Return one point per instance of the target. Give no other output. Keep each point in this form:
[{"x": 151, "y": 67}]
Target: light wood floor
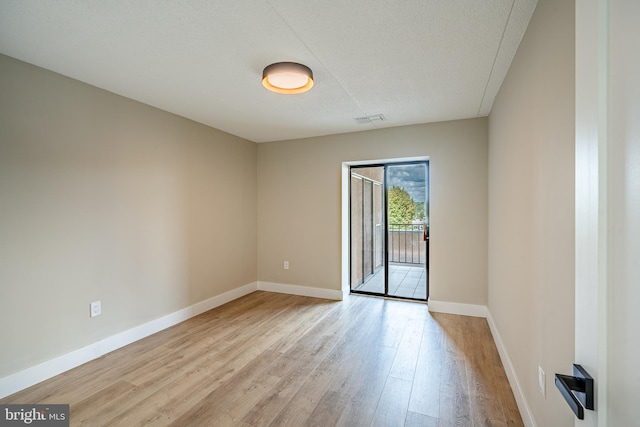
[{"x": 274, "y": 359}]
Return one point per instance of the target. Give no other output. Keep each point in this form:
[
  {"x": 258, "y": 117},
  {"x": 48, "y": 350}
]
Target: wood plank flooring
[{"x": 283, "y": 360}]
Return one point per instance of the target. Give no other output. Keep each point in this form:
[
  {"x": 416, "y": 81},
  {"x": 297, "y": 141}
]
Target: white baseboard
[
  {"x": 483, "y": 311},
  {"x": 306, "y": 291},
  {"x": 43, "y": 371},
  {"x": 525, "y": 410},
  {"x": 30, "y": 376},
  {"x": 457, "y": 308}
]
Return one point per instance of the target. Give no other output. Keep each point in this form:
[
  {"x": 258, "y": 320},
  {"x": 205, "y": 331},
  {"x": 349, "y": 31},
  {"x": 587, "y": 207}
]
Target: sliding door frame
[{"x": 385, "y": 232}]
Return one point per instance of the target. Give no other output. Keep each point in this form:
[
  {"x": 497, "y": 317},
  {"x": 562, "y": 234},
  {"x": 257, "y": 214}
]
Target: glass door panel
[
  {"x": 367, "y": 235},
  {"x": 407, "y": 215}
]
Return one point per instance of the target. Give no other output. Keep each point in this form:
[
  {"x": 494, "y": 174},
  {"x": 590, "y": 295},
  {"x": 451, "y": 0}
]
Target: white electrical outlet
[
  {"x": 286, "y": 265},
  {"x": 542, "y": 382},
  {"x": 96, "y": 309}
]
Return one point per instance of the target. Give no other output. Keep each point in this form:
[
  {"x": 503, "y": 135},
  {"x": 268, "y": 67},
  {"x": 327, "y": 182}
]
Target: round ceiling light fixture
[{"x": 287, "y": 77}]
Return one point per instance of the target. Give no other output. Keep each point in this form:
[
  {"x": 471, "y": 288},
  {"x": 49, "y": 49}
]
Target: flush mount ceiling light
[{"x": 287, "y": 77}]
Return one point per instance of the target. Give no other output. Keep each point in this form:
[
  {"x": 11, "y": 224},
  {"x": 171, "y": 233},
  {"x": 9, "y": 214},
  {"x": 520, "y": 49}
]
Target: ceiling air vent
[{"x": 370, "y": 119}]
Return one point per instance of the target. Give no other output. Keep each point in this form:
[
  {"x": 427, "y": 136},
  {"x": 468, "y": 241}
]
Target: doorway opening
[{"x": 389, "y": 230}]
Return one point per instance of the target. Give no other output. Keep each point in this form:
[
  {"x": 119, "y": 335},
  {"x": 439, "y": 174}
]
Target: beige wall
[
  {"x": 531, "y": 208},
  {"x": 299, "y": 204},
  {"x": 103, "y": 198}
]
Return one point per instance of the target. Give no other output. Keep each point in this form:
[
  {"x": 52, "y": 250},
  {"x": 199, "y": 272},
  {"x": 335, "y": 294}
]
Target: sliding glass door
[{"x": 389, "y": 230}]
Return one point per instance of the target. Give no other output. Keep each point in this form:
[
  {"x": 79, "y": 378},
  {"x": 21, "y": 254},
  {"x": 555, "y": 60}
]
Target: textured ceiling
[{"x": 414, "y": 61}]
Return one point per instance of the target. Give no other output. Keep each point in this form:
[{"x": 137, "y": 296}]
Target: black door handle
[{"x": 577, "y": 390}]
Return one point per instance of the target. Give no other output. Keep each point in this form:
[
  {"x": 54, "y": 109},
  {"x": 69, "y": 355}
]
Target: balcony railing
[{"x": 406, "y": 244}]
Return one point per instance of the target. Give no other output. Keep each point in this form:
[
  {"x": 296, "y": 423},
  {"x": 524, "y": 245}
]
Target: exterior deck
[{"x": 405, "y": 281}]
